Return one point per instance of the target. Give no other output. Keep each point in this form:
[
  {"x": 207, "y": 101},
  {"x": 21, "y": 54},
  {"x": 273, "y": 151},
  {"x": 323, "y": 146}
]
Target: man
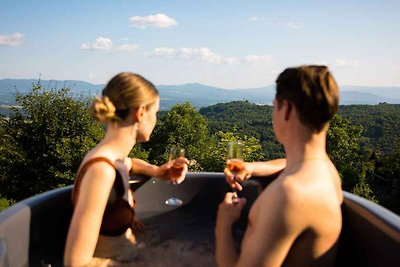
[{"x": 296, "y": 220}]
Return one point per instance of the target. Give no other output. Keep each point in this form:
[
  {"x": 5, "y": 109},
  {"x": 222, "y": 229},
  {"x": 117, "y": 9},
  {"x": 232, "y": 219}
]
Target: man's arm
[
  {"x": 273, "y": 226},
  {"x": 228, "y": 213},
  {"x": 264, "y": 168}
]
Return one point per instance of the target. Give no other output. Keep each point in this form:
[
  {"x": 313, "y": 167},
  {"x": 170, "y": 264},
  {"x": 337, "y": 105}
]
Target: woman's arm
[
  {"x": 142, "y": 167},
  {"x": 86, "y": 220}
]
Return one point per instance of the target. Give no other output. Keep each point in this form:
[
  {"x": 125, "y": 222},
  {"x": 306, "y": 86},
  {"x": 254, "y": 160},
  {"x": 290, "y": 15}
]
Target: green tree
[
  {"x": 44, "y": 141},
  {"x": 343, "y": 146},
  {"x": 5, "y": 203},
  {"x": 380, "y": 124},
  {"x": 246, "y": 119},
  {"x": 139, "y": 152},
  {"x": 182, "y": 126},
  {"x": 252, "y": 150},
  {"x": 343, "y": 142},
  {"x": 389, "y": 166},
  {"x": 364, "y": 190}
]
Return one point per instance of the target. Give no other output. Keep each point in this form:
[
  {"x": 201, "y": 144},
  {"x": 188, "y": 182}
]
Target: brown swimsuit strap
[
  {"x": 85, "y": 167},
  {"x": 120, "y": 206}
]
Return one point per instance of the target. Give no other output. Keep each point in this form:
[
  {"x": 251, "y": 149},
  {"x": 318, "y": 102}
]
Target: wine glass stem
[
  {"x": 174, "y": 190},
  {"x": 235, "y": 195},
  {"x": 174, "y": 186}
]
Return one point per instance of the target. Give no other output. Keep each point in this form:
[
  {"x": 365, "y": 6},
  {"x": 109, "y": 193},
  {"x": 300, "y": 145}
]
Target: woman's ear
[
  {"x": 288, "y": 108},
  {"x": 138, "y": 113}
]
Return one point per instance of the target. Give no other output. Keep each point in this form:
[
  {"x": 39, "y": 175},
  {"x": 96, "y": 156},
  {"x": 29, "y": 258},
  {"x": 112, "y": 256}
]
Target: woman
[{"x": 103, "y": 225}]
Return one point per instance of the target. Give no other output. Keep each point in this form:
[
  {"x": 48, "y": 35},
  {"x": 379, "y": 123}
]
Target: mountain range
[{"x": 200, "y": 95}]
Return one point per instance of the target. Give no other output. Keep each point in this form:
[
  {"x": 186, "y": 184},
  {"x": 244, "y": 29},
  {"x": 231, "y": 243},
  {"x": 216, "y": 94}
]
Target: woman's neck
[{"x": 119, "y": 140}]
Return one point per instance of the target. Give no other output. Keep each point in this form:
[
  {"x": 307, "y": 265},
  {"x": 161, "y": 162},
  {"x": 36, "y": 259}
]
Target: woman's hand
[
  {"x": 174, "y": 170},
  {"x": 235, "y": 180}
]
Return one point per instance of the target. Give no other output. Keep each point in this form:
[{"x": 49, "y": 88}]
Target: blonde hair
[{"x": 124, "y": 92}]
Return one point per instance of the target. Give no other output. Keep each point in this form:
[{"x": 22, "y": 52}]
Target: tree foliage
[
  {"x": 348, "y": 149},
  {"x": 342, "y": 142},
  {"x": 343, "y": 147},
  {"x": 245, "y": 118},
  {"x": 184, "y": 127},
  {"x": 380, "y": 124},
  {"x": 44, "y": 141},
  {"x": 252, "y": 150},
  {"x": 5, "y": 203}
]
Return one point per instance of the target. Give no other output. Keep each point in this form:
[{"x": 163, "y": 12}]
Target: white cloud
[
  {"x": 285, "y": 23},
  {"x": 201, "y": 54},
  {"x": 92, "y": 76},
  {"x": 293, "y": 25},
  {"x": 101, "y": 43},
  {"x": 231, "y": 60},
  {"x": 106, "y": 44},
  {"x": 156, "y": 21},
  {"x": 342, "y": 63},
  {"x": 164, "y": 52},
  {"x": 126, "y": 48},
  {"x": 14, "y": 39},
  {"x": 258, "y": 59},
  {"x": 254, "y": 18},
  {"x": 206, "y": 55}
]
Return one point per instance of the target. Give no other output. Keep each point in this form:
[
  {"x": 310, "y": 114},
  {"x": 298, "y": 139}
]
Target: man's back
[
  {"x": 303, "y": 205},
  {"x": 297, "y": 220}
]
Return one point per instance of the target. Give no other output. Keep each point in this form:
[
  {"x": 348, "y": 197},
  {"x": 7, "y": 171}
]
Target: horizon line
[{"x": 197, "y": 83}]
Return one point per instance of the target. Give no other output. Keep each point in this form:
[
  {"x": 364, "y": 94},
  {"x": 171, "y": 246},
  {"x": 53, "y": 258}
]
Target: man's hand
[{"x": 229, "y": 211}]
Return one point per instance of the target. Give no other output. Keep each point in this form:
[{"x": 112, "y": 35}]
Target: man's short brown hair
[{"x": 312, "y": 90}]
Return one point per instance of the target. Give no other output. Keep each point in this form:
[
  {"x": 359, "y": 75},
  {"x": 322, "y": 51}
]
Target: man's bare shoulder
[
  {"x": 297, "y": 193},
  {"x": 286, "y": 188},
  {"x": 283, "y": 196},
  {"x": 311, "y": 181}
]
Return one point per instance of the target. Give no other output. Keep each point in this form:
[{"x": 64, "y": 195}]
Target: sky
[{"x": 228, "y": 44}]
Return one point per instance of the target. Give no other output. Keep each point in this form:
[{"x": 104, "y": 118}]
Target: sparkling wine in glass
[
  {"x": 234, "y": 161},
  {"x": 175, "y": 172}
]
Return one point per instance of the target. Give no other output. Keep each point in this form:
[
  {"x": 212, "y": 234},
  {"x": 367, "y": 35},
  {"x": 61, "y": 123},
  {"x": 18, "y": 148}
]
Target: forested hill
[
  {"x": 380, "y": 122},
  {"x": 248, "y": 118},
  {"x": 199, "y": 95}
]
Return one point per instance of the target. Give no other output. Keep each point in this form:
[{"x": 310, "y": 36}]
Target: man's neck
[{"x": 303, "y": 147}]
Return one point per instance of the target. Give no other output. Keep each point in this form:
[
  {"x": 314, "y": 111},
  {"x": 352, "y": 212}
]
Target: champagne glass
[
  {"x": 175, "y": 172},
  {"x": 234, "y": 162}
]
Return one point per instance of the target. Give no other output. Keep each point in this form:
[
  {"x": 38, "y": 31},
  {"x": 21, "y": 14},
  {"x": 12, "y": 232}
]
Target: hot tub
[{"x": 33, "y": 231}]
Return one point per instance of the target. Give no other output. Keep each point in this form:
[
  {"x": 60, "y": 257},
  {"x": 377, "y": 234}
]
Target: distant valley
[{"x": 200, "y": 95}]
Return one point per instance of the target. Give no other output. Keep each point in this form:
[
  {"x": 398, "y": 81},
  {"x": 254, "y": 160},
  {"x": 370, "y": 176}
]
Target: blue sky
[{"x": 229, "y": 44}]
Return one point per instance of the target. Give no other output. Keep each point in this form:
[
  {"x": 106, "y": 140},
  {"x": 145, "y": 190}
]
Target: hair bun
[{"x": 103, "y": 109}]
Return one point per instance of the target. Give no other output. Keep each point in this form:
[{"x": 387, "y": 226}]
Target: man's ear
[{"x": 138, "y": 113}]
